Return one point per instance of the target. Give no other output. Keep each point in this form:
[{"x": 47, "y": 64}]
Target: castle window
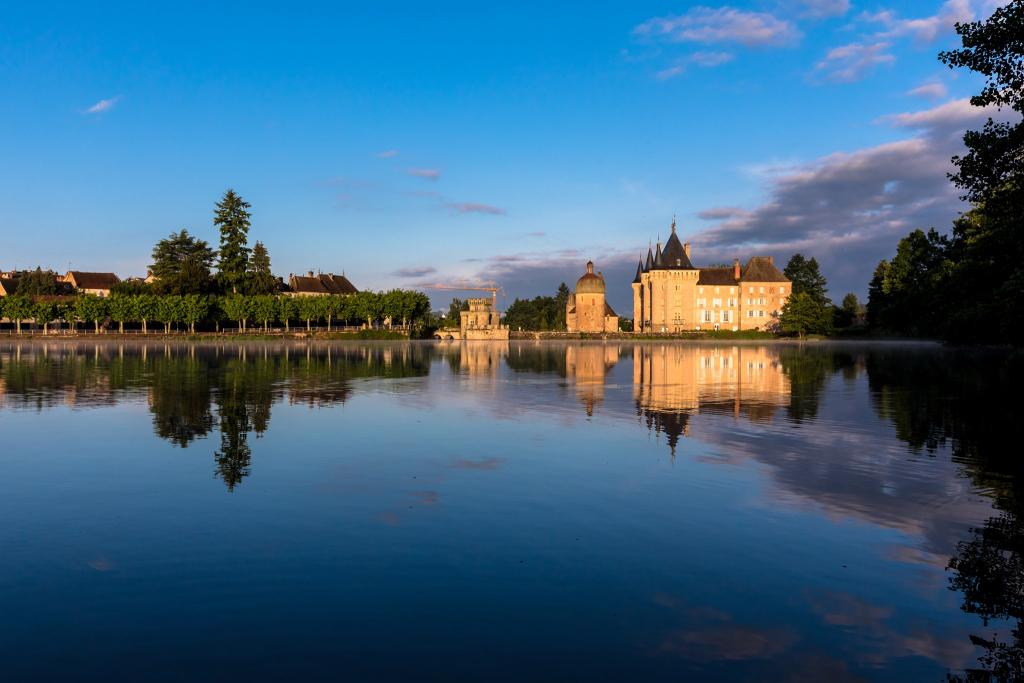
[
  {"x": 700, "y": 290},
  {"x": 762, "y": 291},
  {"x": 708, "y": 316},
  {"x": 717, "y": 303},
  {"x": 732, "y": 303},
  {"x": 750, "y": 290},
  {"x": 717, "y": 290}
]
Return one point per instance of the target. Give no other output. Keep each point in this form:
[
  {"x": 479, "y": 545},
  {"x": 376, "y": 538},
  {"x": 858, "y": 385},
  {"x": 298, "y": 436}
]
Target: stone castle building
[
  {"x": 670, "y": 294},
  {"x": 586, "y": 309}
]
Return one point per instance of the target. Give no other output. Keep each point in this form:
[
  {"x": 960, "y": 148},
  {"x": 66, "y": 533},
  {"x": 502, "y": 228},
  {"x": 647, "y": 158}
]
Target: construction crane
[{"x": 487, "y": 287}]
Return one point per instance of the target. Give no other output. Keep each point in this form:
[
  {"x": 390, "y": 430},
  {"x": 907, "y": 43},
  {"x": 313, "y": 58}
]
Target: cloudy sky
[{"x": 416, "y": 143}]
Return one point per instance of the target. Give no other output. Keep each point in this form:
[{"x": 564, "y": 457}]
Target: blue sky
[{"x": 408, "y": 143}]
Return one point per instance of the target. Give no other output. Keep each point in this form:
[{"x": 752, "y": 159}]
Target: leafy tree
[
  {"x": 368, "y": 306},
  {"x": 181, "y": 264},
  {"x": 995, "y": 49},
  {"x": 44, "y": 311},
  {"x": 194, "y": 308},
  {"x": 330, "y": 306},
  {"x": 91, "y": 308},
  {"x": 309, "y": 309},
  {"x": 561, "y": 299},
  {"x": 850, "y": 313},
  {"x": 168, "y": 311},
  {"x": 802, "y": 315},
  {"x": 986, "y": 283},
  {"x": 263, "y": 309},
  {"x": 287, "y": 310},
  {"x": 540, "y": 313},
  {"x": 38, "y": 282},
  {"x": 18, "y": 308},
  {"x": 145, "y": 309},
  {"x": 237, "y": 308},
  {"x": 455, "y": 309},
  {"x": 121, "y": 308},
  {"x": 261, "y": 279},
  {"x": 232, "y": 217},
  {"x": 807, "y": 278},
  {"x": 132, "y": 287},
  {"x": 906, "y": 294}
]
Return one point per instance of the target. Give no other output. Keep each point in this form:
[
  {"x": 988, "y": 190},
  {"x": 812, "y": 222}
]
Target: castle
[{"x": 670, "y": 294}]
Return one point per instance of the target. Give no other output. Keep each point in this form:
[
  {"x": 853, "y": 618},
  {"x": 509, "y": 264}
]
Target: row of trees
[
  {"x": 397, "y": 306},
  {"x": 969, "y": 286}
]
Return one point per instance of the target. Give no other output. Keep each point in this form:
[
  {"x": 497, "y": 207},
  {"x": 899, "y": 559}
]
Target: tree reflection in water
[{"x": 966, "y": 400}]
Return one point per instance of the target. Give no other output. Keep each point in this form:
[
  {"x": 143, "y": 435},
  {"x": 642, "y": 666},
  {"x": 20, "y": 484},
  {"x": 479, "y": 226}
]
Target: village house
[
  {"x": 670, "y": 294},
  {"x": 320, "y": 284},
  {"x": 98, "y": 284},
  {"x": 8, "y": 285},
  {"x": 586, "y": 309}
]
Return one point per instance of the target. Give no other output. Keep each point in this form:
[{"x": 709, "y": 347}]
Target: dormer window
[{"x": 679, "y": 262}]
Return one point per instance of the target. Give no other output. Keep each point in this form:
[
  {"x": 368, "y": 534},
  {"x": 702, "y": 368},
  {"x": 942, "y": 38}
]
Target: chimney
[
  {"x": 736, "y": 269},
  {"x": 310, "y": 273},
  {"x": 771, "y": 261},
  {"x": 686, "y": 249}
]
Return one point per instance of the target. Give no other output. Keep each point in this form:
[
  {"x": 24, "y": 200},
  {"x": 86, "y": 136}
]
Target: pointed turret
[
  {"x": 650, "y": 261},
  {"x": 658, "y": 261},
  {"x": 639, "y": 271}
]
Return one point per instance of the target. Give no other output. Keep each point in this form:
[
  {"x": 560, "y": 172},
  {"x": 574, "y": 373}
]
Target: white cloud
[
  {"x": 425, "y": 173},
  {"x": 387, "y": 154},
  {"x": 930, "y": 91},
  {"x": 852, "y": 62},
  {"x": 721, "y": 25},
  {"x": 954, "y": 115},
  {"x": 704, "y": 60},
  {"x": 925, "y": 29},
  {"x": 475, "y": 207},
  {"x": 103, "y": 105},
  {"x": 710, "y": 59},
  {"x": 820, "y": 9}
]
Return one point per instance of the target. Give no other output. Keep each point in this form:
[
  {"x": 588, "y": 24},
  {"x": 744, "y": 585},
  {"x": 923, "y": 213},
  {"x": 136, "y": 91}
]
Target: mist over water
[{"x": 523, "y": 511}]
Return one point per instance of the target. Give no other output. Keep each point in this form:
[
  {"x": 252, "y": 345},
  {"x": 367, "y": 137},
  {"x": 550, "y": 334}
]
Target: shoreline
[{"x": 395, "y": 337}]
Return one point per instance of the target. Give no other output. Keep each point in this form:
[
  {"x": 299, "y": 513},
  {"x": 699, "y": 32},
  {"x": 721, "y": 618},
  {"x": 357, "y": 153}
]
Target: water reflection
[{"x": 917, "y": 444}]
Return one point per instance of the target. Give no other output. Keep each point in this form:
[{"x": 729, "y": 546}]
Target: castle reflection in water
[
  {"x": 673, "y": 382},
  {"x": 191, "y": 390}
]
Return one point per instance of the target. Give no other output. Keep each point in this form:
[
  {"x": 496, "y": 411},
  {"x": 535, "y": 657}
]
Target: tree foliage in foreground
[{"x": 970, "y": 288}]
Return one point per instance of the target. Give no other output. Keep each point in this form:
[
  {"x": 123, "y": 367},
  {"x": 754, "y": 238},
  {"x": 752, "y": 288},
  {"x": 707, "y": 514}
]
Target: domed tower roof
[{"x": 590, "y": 283}]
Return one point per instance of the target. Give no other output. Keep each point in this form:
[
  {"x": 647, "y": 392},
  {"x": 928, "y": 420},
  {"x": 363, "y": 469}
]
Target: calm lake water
[{"x": 509, "y": 512}]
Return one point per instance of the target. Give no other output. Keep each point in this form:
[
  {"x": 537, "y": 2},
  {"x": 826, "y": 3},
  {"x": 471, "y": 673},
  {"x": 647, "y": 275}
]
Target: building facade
[
  {"x": 482, "y": 322},
  {"x": 670, "y": 294},
  {"x": 97, "y": 284},
  {"x": 586, "y": 309}
]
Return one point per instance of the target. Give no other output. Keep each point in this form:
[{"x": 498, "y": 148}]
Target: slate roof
[
  {"x": 717, "y": 276},
  {"x": 674, "y": 257},
  {"x": 639, "y": 271},
  {"x": 762, "y": 269}
]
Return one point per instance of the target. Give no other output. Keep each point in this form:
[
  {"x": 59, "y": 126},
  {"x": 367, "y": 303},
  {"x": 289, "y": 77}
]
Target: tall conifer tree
[{"x": 232, "y": 217}]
